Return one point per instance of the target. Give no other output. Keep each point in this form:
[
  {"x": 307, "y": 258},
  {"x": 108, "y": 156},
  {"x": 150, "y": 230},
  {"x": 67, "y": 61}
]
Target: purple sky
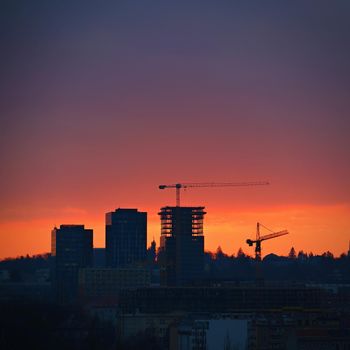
[{"x": 102, "y": 101}]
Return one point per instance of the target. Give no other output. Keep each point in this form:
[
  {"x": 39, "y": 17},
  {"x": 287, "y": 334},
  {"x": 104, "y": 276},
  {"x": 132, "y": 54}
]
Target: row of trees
[
  {"x": 301, "y": 255},
  {"x": 41, "y": 260},
  {"x": 299, "y": 266},
  {"x": 296, "y": 266}
]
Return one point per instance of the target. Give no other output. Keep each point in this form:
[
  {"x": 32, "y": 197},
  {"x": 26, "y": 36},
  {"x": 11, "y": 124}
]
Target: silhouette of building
[
  {"x": 106, "y": 283},
  {"x": 126, "y": 236},
  {"x": 152, "y": 252},
  {"x": 225, "y": 299},
  {"x": 71, "y": 246},
  {"x": 182, "y": 245},
  {"x": 99, "y": 257},
  {"x": 206, "y": 332}
]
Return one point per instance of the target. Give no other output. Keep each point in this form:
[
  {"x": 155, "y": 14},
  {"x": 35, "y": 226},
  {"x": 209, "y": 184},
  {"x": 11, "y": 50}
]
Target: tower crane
[
  {"x": 259, "y": 239},
  {"x": 180, "y": 186}
]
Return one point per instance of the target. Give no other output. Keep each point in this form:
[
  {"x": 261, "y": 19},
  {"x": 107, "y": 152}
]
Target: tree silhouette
[
  {"x": 219, "y": 253},
  {"x": 240, "y": 253},
  {"x": 292, "y": 254}
]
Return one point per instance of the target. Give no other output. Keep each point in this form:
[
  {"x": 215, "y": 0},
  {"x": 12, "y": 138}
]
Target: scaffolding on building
[{"x": 181, "y": 220}]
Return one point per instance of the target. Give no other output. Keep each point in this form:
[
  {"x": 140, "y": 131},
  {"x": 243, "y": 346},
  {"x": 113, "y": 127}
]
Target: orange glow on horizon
[
  {"x": 312, "y": 228},
  {"x": 98, "y": 113}
]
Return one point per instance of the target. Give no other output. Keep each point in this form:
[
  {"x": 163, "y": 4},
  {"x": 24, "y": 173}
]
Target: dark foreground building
[
  {"x": 71, "y": 246},
  {"x": 213, "y": 299},
  {"x": 182, "y": 245},
  {"x": 126, "y": 237}
]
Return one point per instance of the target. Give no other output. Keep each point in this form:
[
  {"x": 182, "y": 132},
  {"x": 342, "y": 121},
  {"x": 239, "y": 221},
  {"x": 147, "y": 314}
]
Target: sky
[{"x": 102, "y": 101}]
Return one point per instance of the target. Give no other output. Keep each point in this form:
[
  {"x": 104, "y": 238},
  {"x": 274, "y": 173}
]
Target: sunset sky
[{"x": 102, "y": 101}]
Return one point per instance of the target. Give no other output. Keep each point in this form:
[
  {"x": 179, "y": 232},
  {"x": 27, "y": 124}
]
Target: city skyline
[
  {"x": 271, "y": 246},
  {"x": 175, "y": 175},
  {"x": 101, "y": 105}
]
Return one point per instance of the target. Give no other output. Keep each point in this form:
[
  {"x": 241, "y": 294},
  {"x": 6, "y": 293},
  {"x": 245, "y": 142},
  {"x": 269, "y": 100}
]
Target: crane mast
[
  {"x": 259, "y": 239},
  {"x": 180, "y": 186}
]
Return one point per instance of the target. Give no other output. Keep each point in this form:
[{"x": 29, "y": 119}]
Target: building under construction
[{"x": 182, "y": 245}]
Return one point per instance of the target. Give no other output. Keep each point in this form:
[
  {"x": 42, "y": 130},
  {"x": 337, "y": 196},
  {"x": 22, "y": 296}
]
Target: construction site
[
  {"x": 182, "y": 238},
  {"x": 182, "y": 297}
]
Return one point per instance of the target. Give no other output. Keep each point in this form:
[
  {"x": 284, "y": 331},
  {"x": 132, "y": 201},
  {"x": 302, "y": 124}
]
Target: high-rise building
[
  {"x": 182, "y": 245},
  {"x": 126, "y": 237},
  {"x": 71, "y": 246}
]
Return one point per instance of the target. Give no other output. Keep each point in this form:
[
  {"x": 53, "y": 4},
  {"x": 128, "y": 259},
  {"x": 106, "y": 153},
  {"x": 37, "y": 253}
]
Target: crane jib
[{"x": 178, "y": 186}]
